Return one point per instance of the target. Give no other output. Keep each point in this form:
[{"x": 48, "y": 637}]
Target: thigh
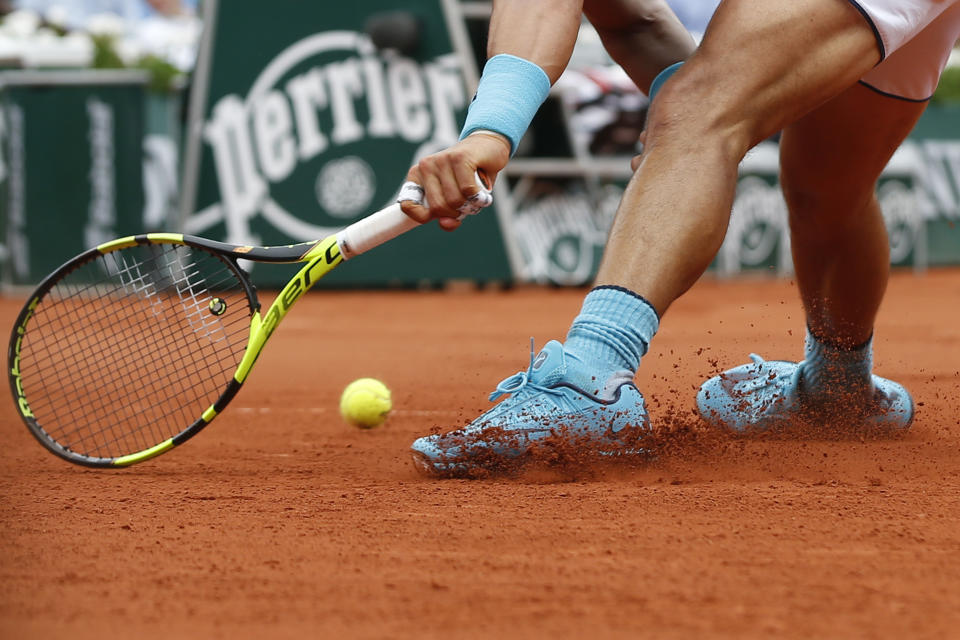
[
  {"x": 763, "y": 65},
  {"x": 835, "y": 153}
]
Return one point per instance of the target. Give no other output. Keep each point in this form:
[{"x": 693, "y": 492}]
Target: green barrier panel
[
  {"x": 306, "y": 126},
  {"x": 71, "y": 170},
  {"x": 564, "y": 208},
  {"x": 758, "y": 237},
  {"x": 162, "y": 146},
  {"x": 937, "y": 138}
]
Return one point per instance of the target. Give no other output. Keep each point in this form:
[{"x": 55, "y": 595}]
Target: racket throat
[{"x": 254, "y": 346}]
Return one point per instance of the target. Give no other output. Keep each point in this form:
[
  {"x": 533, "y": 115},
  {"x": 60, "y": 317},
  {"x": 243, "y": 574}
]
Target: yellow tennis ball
[{"x": 365, "y": 403}]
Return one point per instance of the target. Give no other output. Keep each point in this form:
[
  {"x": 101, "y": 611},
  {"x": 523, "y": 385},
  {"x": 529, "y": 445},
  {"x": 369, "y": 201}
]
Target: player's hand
[{"x": 448, "y": 177}]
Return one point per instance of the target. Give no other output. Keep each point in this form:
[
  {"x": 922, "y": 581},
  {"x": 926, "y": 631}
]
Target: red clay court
[{"x": 279, "y": 521}]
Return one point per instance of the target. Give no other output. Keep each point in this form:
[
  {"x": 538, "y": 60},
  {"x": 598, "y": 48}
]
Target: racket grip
[
  {"x": 374, "y": 230},
  {"x": 387, "y": 224}
]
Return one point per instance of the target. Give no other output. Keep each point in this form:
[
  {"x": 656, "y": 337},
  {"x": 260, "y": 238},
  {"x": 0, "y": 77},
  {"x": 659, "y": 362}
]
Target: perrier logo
[{"x": 325, "y": 135}]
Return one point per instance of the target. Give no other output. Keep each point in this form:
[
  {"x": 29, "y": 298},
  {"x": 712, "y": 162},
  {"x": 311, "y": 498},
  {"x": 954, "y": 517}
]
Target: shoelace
[
  {"x": 520, "y": 384},
  {"x": 772, "y": 382}
]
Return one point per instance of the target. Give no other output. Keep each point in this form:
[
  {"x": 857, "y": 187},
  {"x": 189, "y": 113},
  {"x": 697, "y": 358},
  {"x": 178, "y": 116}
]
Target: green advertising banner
[
  {"x": 301, "y": 125},
  {"x": 936, "y": 146},
  {"x": 563, "y": 209},
  {"x": 71, "y": 162}
]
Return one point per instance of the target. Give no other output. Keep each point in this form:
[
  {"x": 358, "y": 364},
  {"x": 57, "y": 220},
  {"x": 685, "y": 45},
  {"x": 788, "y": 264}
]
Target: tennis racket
[{"x": 133, "y": 347}]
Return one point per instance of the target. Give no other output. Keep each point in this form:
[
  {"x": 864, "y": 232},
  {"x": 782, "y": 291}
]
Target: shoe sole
[
  {"x": 508, "y": 466},
  {"x": 423, "y": 464}
]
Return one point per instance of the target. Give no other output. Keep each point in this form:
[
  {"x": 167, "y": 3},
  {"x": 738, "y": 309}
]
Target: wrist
[
  {"x": 489, "y": 150},
  {"x": 491, "y": 135}
]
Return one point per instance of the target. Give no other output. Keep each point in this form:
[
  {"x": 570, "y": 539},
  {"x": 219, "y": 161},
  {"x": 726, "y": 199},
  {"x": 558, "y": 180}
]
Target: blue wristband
[
  {"x": 510, "y": 92},
  {"x": 662, "y": 77}
]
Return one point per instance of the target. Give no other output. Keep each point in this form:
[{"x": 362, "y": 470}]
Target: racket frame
[{"x": 319, "y": 258}]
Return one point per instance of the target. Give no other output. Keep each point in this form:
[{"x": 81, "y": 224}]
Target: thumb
[
  {"x": 411, "y": 197},
  {"x": 449, "y": 224},
  {"x": 415, "y": 210}
]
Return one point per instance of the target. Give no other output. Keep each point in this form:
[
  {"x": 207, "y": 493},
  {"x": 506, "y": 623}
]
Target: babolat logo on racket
[{"x": 304, "y": 150}]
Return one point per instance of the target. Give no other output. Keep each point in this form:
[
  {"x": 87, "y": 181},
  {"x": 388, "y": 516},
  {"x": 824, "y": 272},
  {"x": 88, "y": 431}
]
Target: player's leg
[
  {"x": 642, "y": 36},
  {"x": 830, "y": 162},
  {"x": 759, "y": 68}
]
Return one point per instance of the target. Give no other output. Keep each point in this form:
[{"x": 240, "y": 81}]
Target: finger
[
  {"x": 432, "y": 180},
  {"x": 466, "y": 177},
  {"x": 436, "y": 201},
  {"x": 448, "y": 224},
  {"x": 487, "y": 178},
  {"x": 413, "y": 175},
  {"x": 411, "y": 203},
  {"x": 453, "y": 196}
]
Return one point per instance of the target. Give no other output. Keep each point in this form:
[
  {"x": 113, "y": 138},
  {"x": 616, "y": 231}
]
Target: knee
[
  {"x": 643, "y": 17},
  {"x": 807, "y": 199},
  {"x": 816, "y": 201},
  {"x": 649, "y": 15},
  {"x": 692, "y": 113},
  {"x": 802, "y": 190}
]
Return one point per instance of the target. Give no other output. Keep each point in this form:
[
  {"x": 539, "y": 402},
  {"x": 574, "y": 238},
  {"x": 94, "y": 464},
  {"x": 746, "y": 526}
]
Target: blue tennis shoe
[
  {"x": 767, "y": 395},
  {"x": 544, "y": 411}
]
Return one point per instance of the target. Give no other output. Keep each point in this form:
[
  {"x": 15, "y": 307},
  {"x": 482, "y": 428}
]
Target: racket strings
[
  {"x": 172, "y": 394},
  {"x": 129, "y": 349},
  {"x": 86, "y": 348},
  {"x": 124, "y": 364}
]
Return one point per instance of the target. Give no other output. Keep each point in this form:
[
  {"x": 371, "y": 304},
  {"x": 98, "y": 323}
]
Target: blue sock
[
  {"x": 608, "y": 338},
  {"x": 832, "y": 370}
]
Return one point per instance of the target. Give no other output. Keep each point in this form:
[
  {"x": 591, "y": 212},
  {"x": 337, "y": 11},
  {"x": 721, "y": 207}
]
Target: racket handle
[
  {"x": 374, "y": 230},
  {"x": 387, "y": 224}
]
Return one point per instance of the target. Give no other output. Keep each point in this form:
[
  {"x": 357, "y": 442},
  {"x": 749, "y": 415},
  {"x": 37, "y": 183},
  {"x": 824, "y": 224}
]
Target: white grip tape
[
  {"x": 374, "y": 230},
  {"x": 411, "y": 191},
  {"x": 377, "y": 228}
]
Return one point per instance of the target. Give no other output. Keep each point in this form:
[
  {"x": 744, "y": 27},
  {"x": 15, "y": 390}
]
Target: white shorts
[{"x": 915, "y": 39}]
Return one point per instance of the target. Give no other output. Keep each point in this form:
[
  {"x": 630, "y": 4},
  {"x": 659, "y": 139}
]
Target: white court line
[{"x": 398, "y": 412}]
